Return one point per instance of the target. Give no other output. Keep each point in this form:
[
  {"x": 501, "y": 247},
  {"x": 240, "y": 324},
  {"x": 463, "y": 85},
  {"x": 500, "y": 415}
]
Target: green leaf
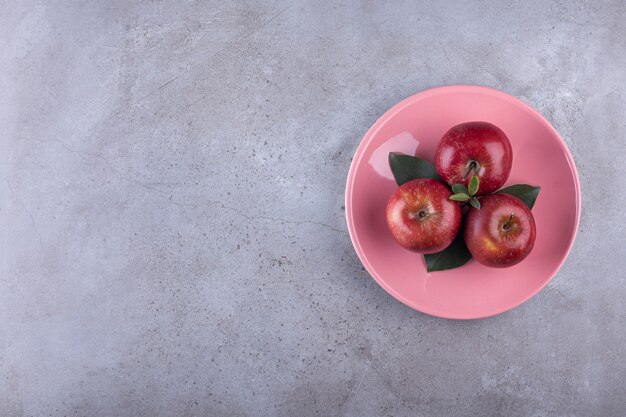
[
  {"x": 473, "y": 185},
  {"x": 453, "y": 256},
  {"x": 527, "y": 193},
  {"x": 459, "y": 188},
  {"x": 459, "y": 197},
  {"x": 475, "y": 203},
  {"x": 406, "y": 168}
]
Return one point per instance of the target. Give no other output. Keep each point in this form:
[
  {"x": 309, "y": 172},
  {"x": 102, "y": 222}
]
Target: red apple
[
  {"x": 501, "y": 233},
  {"x": 421, "y": 217},
  {"x": 474, "y": 148}
]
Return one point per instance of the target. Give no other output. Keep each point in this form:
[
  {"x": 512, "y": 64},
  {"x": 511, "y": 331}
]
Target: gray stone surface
[{"x": 172, "y": 220}]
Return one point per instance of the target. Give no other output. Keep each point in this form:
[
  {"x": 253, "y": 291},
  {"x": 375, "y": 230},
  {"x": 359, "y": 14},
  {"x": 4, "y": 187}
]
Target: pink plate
[{"x": 414, "y": 127}]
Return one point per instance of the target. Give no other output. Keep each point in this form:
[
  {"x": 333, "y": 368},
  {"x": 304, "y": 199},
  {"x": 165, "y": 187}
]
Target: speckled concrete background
[{"x": 172, "y": 220}]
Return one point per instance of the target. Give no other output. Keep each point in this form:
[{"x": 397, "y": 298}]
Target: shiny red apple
[
  {"x": 501, "y": 233},
  {"x": 474, "y": 148},
  {"x": 421, "y": 217}
]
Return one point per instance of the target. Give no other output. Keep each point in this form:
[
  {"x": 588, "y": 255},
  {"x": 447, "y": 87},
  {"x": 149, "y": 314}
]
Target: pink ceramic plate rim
[{"x": 365, "y": 143}]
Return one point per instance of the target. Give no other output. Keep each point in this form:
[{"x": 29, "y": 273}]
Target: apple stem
[
  {"x": 506, "y": 225},
  {"x": 472, "y": 166}
]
